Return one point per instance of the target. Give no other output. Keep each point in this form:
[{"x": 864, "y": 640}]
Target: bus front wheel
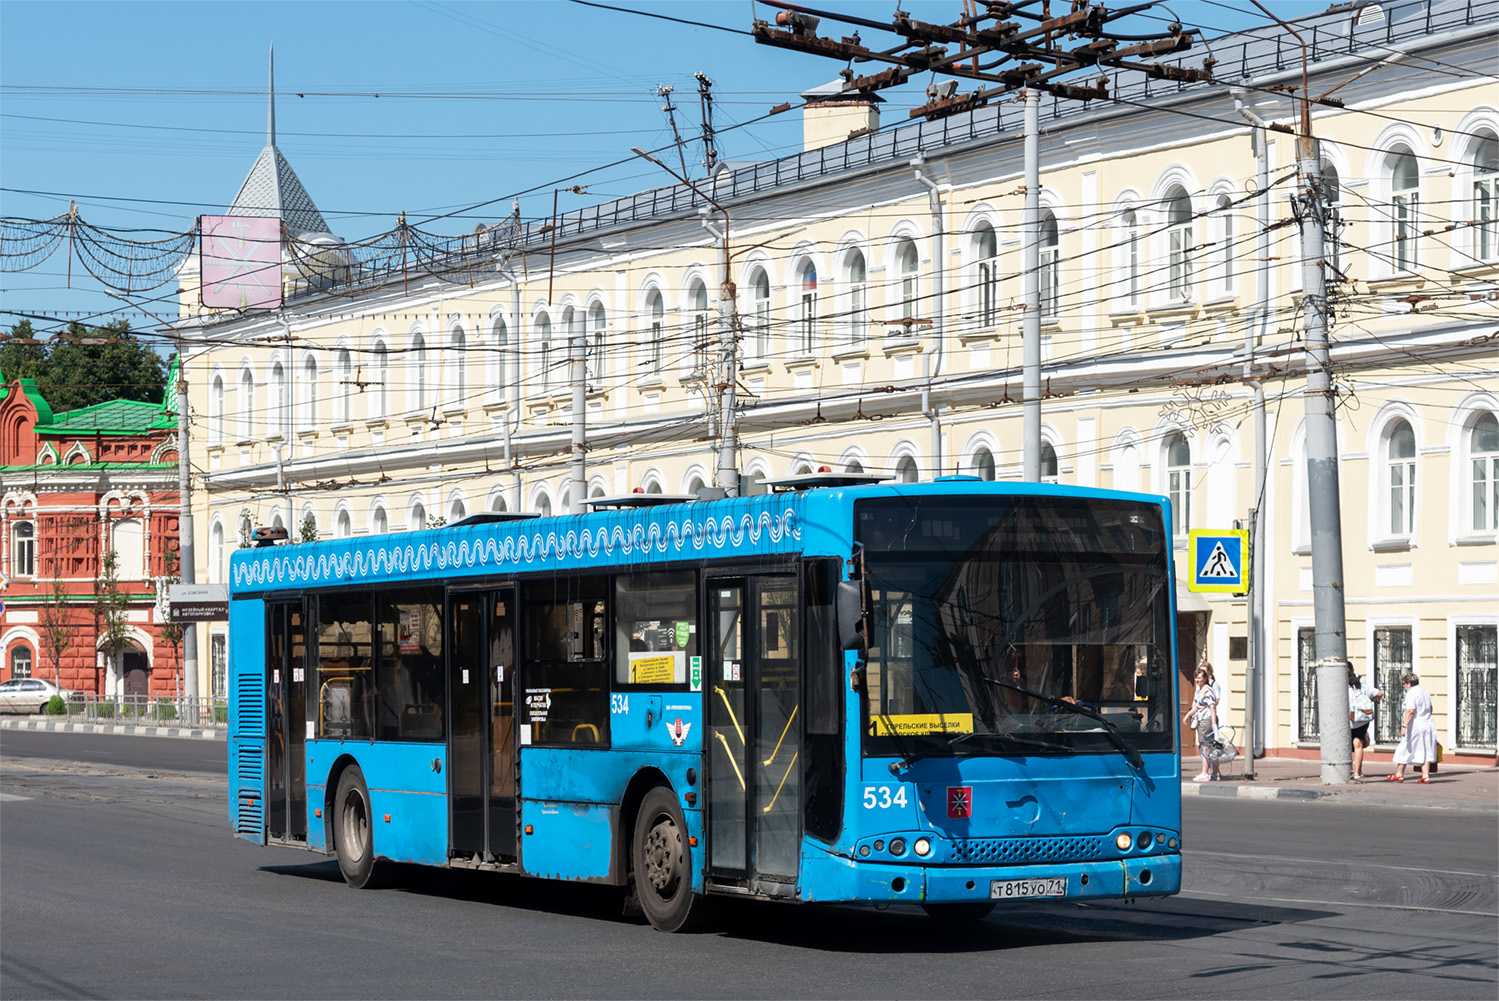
[
  {"x": 353, "y": 832},
  {"x": 662, "y": 861}
]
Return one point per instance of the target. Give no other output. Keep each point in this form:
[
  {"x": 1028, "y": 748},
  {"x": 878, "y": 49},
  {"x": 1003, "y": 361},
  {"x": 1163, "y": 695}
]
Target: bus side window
[
  {"x": 564, "y": 672},
  {"x": 655, "y": 628},
  {"x": 345, "y": 667},
  {"x": 410, "y": 681}
]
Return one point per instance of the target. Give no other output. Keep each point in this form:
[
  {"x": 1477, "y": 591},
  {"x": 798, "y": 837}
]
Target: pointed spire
[{"x": 270, "y": 112}]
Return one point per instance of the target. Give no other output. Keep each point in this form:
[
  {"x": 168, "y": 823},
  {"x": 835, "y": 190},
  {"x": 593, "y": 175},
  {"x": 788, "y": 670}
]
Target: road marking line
[
  {"x": 1344, "y": 903},
  {"x": 10, "y": 797},
  {"x": 1360, "y": 865}
]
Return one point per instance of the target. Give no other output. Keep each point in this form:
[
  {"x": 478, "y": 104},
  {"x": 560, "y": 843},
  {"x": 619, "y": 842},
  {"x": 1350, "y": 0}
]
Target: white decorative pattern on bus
[{"x": 613, "y": 541}]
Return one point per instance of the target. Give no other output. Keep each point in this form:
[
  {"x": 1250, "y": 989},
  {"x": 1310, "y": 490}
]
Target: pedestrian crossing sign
[{"x": 1219, "y": 560}]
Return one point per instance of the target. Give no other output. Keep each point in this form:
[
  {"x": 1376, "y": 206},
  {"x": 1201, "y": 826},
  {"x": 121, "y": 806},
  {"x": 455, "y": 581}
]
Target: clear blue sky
[{"x": 149, "y": 114}]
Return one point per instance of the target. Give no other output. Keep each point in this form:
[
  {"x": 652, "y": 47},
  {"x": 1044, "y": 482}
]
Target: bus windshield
[{"x": 1016, "y": 626}]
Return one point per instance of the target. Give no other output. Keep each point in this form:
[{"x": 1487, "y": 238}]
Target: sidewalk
[
  {"x": 62, "y": 724},
  {"x": 1452, "y": 787}
]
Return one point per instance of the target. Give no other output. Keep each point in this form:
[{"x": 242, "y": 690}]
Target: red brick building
[{"x": 73, "y": 487}]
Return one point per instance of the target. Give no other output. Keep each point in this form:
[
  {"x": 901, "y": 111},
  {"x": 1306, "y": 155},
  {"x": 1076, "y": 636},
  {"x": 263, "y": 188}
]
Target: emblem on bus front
[
  {"x": 959, "y": 802},
  {"x": 679, "y": 731}
]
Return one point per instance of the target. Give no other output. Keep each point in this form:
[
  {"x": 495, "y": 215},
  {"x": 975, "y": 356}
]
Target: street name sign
[{"x": 197, "y": 602}]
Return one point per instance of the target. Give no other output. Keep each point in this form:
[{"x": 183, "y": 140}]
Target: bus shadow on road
[{"x": 858, "y": 929}]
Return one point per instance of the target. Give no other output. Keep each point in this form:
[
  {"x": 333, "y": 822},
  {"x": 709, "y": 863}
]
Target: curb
[
  {"x": 1338, "y": 796},
  {"x": 130, "y": 730}
]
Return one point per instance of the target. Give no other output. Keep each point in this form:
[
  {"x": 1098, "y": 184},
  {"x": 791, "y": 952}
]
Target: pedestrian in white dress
[{"x": 1418, "y": 734}]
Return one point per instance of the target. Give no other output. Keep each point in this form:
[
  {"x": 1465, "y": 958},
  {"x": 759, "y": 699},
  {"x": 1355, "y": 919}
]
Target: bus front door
[
  {"x": 481, "y": 737},
  {"x": 754, "y": 732},
  {"x": 286, "y": 717}
]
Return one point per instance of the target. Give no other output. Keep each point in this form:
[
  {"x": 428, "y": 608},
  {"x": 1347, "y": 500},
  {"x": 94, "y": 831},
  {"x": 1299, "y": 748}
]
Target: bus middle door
[
  {"x": 753, "y": 691},
  {"x": 481, "y": 735},
  {"x": 286, "y": 722}
]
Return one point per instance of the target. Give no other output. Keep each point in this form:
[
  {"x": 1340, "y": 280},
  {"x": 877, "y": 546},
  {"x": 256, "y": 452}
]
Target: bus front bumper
[{"x": 834, "y": 878}]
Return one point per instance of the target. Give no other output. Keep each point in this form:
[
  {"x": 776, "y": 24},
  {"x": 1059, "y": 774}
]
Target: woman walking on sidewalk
[
  {"x": 1418, "y": 735},
  {"x": 1204, "y": 717}
]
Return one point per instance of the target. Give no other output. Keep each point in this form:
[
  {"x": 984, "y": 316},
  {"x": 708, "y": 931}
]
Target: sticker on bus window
[
  {"x": 539, "y": 704},
  {"x": 311, "y": 729},
  {"x": 648, "y": 668},
  {"x": 409, "y": 631},
  {"x": 695, "y": 675},
  {"x": 296, "y": 674},
  {"x": 914, "y": 724},
  {"x": 682, "y": 635}
]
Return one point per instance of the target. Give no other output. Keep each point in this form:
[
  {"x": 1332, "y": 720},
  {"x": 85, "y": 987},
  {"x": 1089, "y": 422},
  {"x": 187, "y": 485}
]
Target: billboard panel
[{"x": 241, "y": 262}]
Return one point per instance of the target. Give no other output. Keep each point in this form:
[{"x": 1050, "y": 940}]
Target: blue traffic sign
[{"x": 1219, "y": 559}]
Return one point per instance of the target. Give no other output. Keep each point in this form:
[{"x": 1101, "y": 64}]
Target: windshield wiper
[
  {"x": 1109, "y": 728},
  {"x": 1008, "y": 738}
]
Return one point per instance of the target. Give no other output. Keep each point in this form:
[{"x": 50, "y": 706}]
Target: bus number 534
[{"x": 881, "y": 797}]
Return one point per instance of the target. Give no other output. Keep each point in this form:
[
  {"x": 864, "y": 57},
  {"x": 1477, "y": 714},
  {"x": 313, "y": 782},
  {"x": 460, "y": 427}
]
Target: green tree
[
  {"x": 110, "y": 607},
  {"x": 22, "y": 361},
  {"x": 90, "y": 365}
]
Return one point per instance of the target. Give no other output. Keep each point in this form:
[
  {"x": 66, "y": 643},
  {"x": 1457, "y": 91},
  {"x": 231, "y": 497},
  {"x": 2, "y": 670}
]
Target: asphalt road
[{"x": 122, "y": 880}]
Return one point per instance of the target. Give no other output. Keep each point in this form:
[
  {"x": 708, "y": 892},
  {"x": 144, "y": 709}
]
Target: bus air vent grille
[
  {"x": 989, "y": 850},
  {"x": 251, "y": 815}
]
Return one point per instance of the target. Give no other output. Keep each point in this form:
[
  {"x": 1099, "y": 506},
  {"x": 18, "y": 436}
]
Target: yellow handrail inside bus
[
  {"x": 729, "y": 751},
  {"x": 732, "y": 718},
  {"x": 789, "y": 765},
  {"x": 784, "y": 731}
]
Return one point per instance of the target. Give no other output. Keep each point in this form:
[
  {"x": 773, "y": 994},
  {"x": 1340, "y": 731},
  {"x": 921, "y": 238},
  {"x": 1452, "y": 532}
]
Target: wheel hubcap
[
  {"x": 662, "y": 846},
  {"x": 356, "y": 822}
]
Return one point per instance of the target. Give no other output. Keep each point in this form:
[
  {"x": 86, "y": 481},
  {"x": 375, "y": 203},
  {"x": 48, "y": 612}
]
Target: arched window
[
  {"x": 856, "y": 298},
  {"x": 216, "y": 553},
  {"x": 695, "y": 485},
  {"x": 416, "y": 374},
  {"x": 498, "y": 362},
  {"x": 565, "y": 501},
  {"x": 246, "y": 405},
  {"x": 1483, "y": 455},
  {"x": 1400, "y": 479},
  {"x": 1178, "y": 245},
  {"x": 700, "y": 329},
  {"x": 497, "y": 503},
  {"x": 20, "y": 662},
  {"x": 1127, "y": 466},
  {"x": 1049, "y": 472},
  {"x": 598, "y": 327},
  {"x": 759, "y": 341},
  {"x": 806, "y": 313},
  {"x": 216, "y": 411},
  {"x": 1486, "y": 198},
  {"x": 544, "y": 505},
  {"x": 907, "y": 272},
  {"x": 380, "y": 385},
  {"x": 853, "y": 466},
  {"x": 127, "y": 541},
  {"x": 246, "y": 529},
  {"x": 416, "y": 517},
  {"x": 541, "y": 326},
  {"x": 23, "y": 549},
  {"x": 309, "y": 393},
  {"x": 457, "y": 510},
  {"x": 1224, "y": 211},
  {"x": 280, "y": 402},
  {"x": 986, "y": 275},
  {"x": 457, "y": 358},
  {"x": 343, "y": 369},
  {"x": 655, "y": 314},
  {"x": 906, "y": 471},
  {"x": 1129, "y": 223},
  {"x": 343, "y": 525},
  {"x": 1405, "y": 209},
  {"x": 1051, "y": 261},
  {"x": 1178, "y": 453},
  {"x": 983, "y": 465},
  {"x": 1332, "y": 198},
  {"x": 379, "y": 521}
]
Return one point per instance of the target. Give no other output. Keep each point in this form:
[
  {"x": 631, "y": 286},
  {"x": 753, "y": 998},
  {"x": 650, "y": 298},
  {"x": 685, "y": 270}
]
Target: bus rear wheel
[
  {"x": 662, "y": 862},
  {"x": 354, "y": 832},
  {"x": 960, "y": 913}
]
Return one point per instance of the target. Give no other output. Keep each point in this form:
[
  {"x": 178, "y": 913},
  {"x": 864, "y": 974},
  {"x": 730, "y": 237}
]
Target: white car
[{"x": 27, "y": 695}]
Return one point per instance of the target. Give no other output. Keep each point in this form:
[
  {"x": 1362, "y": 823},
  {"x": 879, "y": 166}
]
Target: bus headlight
[
  {"x": 922, "y": 847},
  {"x": 897, "y": 846},
  {"x": 1123, "y": 841}
]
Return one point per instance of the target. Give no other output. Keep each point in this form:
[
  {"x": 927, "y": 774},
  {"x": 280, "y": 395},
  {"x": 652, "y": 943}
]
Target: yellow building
[{"x": 878, "y": 304}]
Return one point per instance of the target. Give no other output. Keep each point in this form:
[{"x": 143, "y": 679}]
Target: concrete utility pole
[
  {"x": 728, "y": 437},
  {"x": 1330, "y": 638},
  {"x": 576, "y": 339},
  {"x": 1030, "y": 320},
  {"x": 185, "y": 540}
]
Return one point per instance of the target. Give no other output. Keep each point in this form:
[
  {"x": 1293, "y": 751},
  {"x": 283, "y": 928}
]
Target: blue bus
[{"x": 953, "y": 694}]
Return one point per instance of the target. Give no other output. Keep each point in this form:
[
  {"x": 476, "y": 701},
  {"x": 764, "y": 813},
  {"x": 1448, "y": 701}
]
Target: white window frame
[
  {"x": 379, "y": 403},
  {"x": 1050, "y": 278},
  {"x": 808, "y": 338},
  {"x": 1398, "y": 477},
  {"x": 457, "y": 358},
  {"x": 1405, "y": 212},
  {"x": 1454, "y": 682},
  {"x": 1177, "y": 480},
  {"x": 23, "y": 550},
  {"x": 598, "y": 333},
  {"x": 343, "y": 367},
  {"x": 246, "y": 405},
  {"x": 985, "y": 275},
  {"x": 854, "y": 323},
  {"x": 759, "y": 338},
  {"x": 216, "y": 410},
  {"x": 1178, "y": 213}
]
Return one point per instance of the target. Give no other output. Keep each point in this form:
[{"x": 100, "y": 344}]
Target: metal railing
[{"x": 149, "y": 710}]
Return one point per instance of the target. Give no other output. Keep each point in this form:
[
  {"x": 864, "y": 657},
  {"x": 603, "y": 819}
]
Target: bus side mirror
[{"x": 851, "y": 634}]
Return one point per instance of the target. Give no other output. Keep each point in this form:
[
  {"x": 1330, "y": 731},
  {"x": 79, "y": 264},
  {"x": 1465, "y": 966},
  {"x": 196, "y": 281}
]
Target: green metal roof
[{"x": 113, "y": 417}]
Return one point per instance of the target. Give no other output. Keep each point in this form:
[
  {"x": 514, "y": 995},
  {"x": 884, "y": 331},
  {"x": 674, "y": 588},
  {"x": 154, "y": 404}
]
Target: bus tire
[
  {"x": 354, "y": 832},
  {"x": 662, "y": 862},
  {"x": 967, "y": 912}
]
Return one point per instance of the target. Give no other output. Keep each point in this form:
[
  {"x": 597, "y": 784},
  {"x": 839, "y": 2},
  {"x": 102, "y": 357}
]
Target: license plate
[{"x": 1010, "y": 889}]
